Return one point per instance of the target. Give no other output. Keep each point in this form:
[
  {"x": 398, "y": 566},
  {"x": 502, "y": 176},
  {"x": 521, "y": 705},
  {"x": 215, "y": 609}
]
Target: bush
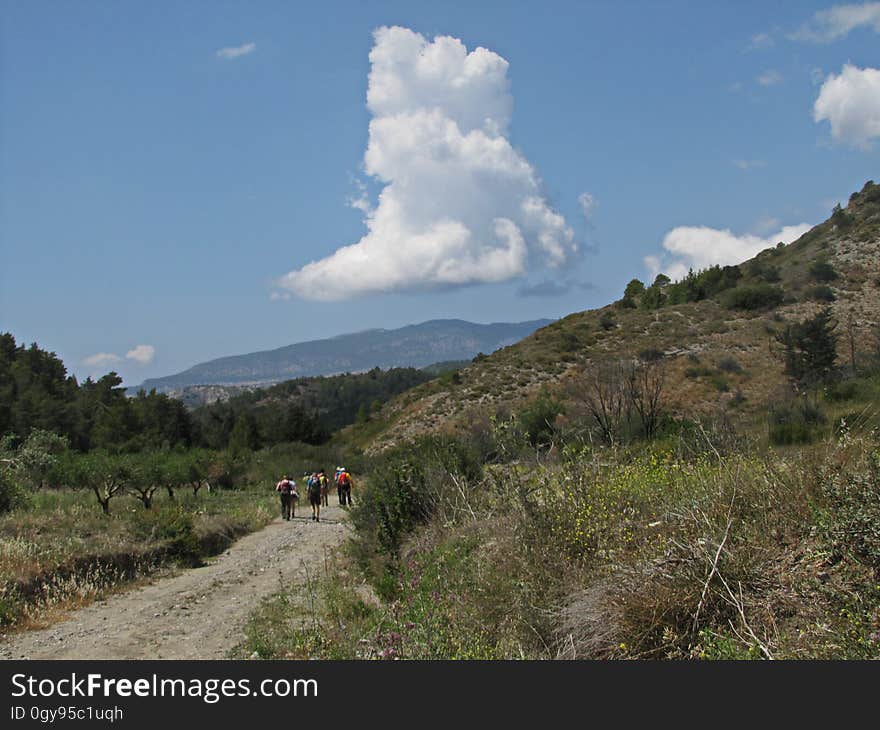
[
  {"x": 651, "y": 354},
  {"x": 538, "y": 417},
  {"x": 795, "y": 422},
  {"x": 729, "y": 365},
  {"x": 821, "y": 293},
  {"x": 698, "y": 371},
  {"x": 173, "y": 527},
  {"x": 11, "y": 492},
  {"x": 607, "y": 321},
  {"x": 405, "y": 487},
  {"x": 753, "y": 297},
  {"x": 851, "y": 520},
  {"x": 764, "y": 271},
  {"x": 823, "y": 272}
]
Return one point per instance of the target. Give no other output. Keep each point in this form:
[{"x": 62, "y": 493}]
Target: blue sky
[{"x": 158, "y": 191}]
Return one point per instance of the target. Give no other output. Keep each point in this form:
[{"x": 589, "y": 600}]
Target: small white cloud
[
  {"x": 142, "y": 354},
  {"x": 765, "y": 225},
  {"x": 850, "y": 101},
  {"x": 361, "y": 201},
  {"x": 770, "y": 77},
  {"x": 460, "y": 205},
  {"x": 232, "y": 52},
  {"x": 101, "y": 359},
  {"x": 588, "y": 205},
  {"x": 760, "y": 41},
  {"x": 699, "y": 247},
  {"x": 838, "y": 22},
  {"x": 749, "y": 164}
]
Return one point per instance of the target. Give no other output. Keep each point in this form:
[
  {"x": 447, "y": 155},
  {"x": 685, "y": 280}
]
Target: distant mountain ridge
[{"x": 417, "y": 345}]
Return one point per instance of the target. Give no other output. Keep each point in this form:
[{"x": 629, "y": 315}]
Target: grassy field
[
  {"x": 685, "y": 548},
  {"x": 61, "y": 552}
]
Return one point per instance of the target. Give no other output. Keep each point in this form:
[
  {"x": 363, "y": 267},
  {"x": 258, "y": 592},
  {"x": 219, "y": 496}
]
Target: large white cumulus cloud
[
  {"x": 699, "y": 247},
  {"x": 851, "y": 102},
  {"x": 459, "y": 204}
]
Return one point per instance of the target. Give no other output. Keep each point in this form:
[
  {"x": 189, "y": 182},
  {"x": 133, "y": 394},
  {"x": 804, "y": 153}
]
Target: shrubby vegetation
[{"x": 608, "y": 539}]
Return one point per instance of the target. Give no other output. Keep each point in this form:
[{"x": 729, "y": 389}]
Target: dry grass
[{"x": 61, "y": 552}]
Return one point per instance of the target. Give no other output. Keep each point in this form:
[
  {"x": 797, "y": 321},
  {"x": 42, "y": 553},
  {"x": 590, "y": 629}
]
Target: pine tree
[{"x": 810, "y": 350}]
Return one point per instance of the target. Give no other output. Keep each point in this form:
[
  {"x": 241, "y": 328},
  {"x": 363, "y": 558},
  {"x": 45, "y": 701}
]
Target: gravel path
[{"x": 198, "y": 613}]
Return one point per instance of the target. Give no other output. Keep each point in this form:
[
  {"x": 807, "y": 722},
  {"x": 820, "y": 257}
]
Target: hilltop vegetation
[
  {"x": 714, "y": 332},
  {"x": 304, "y": 409}
]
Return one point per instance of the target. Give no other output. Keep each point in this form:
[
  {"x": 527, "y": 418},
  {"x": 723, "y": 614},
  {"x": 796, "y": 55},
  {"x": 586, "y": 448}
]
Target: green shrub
[
  {"x": 851, "y": 521},
  {"x": 651, "y": 354},
  {"x": 698, "y": 371},
  {"x": 172, "y": 526},
  {"x": 823, "y": 272},
  {"x": 753, "y": 297},
  {"x": 821, "y": 293},
  {"x": 795, "y": 422},
  {"x": 844, "y": 390},
  {"x": 729, "y": 364},
  {"x": 405, "y": 487},
  {"x": 538, "y": 417}
]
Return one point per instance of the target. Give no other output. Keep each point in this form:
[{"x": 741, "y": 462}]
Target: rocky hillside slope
[{"x": 718, "y": 350}]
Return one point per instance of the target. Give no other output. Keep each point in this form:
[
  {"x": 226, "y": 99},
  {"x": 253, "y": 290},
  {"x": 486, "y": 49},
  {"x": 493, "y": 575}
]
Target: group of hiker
[{"x": 317, "y": 490}]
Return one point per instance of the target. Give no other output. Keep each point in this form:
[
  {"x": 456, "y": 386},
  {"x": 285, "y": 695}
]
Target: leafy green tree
[
  {"x": 653, "y": 298},
  {"x": 12, "y": 491},
  {"x": 809, "y": 350},
  {"x": 363, "y": 414},
  {"x": 633, "y": 289},
  {"x": 245, "y": 436},
  {"x": 39, "y": 456},
  {"x": 196, "y": 466},
  {"x": 151, "y": 471},
  {"x": 107, "y": 475}
]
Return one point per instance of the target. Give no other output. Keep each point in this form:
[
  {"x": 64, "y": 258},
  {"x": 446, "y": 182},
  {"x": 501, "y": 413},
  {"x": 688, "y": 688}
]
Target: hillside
[
  {"x": 416, "y": 345},
  {"x": 715, "y": 336}
]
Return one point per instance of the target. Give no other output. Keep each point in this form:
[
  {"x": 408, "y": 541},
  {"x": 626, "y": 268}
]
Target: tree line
[{"x": 36, "y": 392}]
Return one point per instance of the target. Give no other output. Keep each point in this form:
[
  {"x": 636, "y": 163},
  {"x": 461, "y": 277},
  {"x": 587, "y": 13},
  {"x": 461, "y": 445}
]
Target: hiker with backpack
[
  {"x": 314, "y": 488},
  {"x": 286, "y": 488},
  {"x": 325, "y": 488},
  {"x": 343, "y": 487}
]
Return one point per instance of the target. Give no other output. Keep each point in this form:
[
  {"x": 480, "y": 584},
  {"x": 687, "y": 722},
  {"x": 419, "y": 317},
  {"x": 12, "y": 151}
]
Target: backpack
[
  {"x": 314, "y": 486},
  {"x": 344, "y": 480}
]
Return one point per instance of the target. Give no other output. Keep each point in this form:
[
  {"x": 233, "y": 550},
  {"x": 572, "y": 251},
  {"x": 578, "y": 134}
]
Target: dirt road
[{"x": 198, "y": 613}]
